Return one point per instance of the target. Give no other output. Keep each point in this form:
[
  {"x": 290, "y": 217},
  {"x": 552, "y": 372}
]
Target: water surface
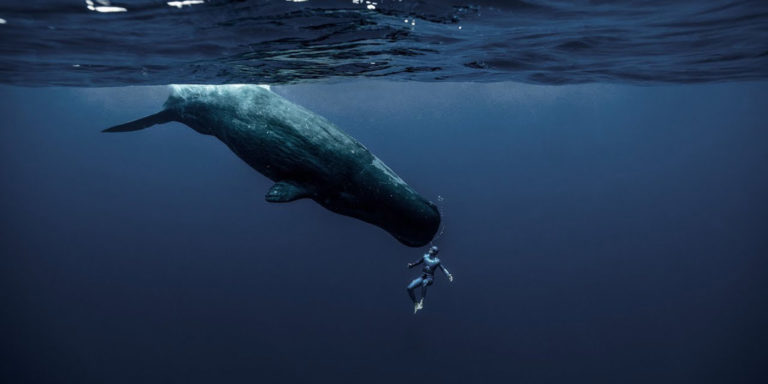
[{"x": 66, "y": 42}]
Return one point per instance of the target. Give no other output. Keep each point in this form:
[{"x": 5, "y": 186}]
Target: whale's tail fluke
[{"x": 161, "y": 117}]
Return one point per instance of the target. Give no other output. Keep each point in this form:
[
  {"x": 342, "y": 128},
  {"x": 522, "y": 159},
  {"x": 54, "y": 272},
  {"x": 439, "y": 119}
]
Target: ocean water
[
  {"x": 85, "y": 43},
  {"x": 601, "y": 168}
]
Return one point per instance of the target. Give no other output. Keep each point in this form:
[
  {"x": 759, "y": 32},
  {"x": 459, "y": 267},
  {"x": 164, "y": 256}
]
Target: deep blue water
[
  {"x": 598, "y": 234},
  {"x": 603, "y": 170},
  {"x": 44, "y": 42}
]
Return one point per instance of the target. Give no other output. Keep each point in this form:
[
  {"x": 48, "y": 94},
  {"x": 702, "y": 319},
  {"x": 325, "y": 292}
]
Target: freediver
[{"x": 431, "y": 262}]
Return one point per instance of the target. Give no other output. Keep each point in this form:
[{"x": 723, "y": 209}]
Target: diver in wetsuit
[{"x": 431, "y": 262}]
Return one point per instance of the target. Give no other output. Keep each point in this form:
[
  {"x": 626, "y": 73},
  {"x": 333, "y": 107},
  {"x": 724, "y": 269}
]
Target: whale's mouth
[
  {"x": 411, "y": 242},
  {"x": 419, "y": 232}
]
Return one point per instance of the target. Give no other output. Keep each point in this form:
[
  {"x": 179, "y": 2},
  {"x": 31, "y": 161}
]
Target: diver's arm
[
  {"x": 445, "y": 270},
  {"x": 419, "y": 261}
]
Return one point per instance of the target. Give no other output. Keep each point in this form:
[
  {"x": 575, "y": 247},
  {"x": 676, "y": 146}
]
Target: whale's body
[{"x": 305, "y": 154}]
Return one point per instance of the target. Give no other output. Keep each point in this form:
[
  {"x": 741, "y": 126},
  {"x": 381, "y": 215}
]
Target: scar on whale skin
[{"x": 303, "y": 153}]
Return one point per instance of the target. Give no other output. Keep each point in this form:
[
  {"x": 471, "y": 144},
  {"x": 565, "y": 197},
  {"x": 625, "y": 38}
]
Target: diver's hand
[
  {"x": 450, "y": 278},
  {"x": 411, "y": 265}
]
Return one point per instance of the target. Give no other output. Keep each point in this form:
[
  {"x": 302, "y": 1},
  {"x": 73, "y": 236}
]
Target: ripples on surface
[{"x": 68, "y": 42}]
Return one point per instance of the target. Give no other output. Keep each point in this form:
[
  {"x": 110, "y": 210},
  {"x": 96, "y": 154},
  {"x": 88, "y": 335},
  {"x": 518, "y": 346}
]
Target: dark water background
[
  {"x": 62, "y": 42},
  {"x": 598, "y": 233}
]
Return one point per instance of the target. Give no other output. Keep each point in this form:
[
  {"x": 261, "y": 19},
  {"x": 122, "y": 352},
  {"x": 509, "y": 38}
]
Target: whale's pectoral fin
[
  {"x": 286, "y": 191},
  {"x": 161, "y": 117}
]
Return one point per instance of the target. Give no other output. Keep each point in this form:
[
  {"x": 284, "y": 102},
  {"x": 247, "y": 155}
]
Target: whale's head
[
  {"x": 378, "y": 196},
  {"x": 413, "y": 221}
]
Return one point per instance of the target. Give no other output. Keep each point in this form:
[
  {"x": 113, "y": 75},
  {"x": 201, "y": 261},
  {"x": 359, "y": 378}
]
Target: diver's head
[{"x": 434, "y": 250}]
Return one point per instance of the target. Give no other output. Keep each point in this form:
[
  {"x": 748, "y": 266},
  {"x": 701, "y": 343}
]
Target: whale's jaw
[
  {"x": 411, "y": 219},
  {"x": 419, "y": 229}
]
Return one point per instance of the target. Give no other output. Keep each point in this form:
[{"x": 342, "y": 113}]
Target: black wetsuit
[{"x": 427, "y": 275}]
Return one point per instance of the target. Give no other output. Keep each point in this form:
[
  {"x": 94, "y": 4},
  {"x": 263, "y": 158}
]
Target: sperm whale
[{"x": 303, "y": 153}]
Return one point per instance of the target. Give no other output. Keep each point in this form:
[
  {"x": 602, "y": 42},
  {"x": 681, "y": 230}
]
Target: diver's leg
[
  {"x": 412, "y": 286},
  {"x": 424, "y": 285}
]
